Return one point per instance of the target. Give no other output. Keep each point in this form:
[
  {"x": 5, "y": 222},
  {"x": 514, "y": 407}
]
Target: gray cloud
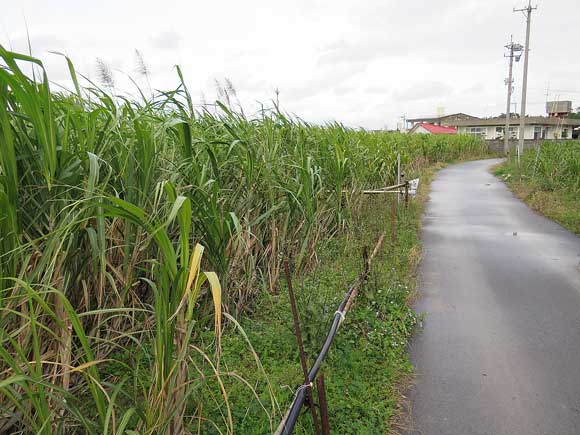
[
  {"x": 368, "y": 50},
  {"x": 167, "y": 40},
  {"x": 40, "y": 42},
  {"x": 364, "y": 63},
  {"x": 423, "y": 91},
  {"x": 325, "y": 80}
]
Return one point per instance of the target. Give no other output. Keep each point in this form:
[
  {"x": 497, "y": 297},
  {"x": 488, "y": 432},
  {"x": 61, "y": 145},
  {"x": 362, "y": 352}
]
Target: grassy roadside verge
[
  {"x": 556, "y": 201},
  {"x": 368, "y": 365}
]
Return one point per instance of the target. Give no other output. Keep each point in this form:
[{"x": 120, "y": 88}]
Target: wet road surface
[{"x": 499, "y": 348}]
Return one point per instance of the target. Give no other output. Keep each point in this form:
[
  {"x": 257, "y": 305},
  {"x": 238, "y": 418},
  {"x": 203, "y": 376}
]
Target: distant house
[
  {"x": 425, "y": 128},
  {"x": 554, "y": 126},
  {"x": 446, "y": 120},
  {"x": 536, "y": 128}
]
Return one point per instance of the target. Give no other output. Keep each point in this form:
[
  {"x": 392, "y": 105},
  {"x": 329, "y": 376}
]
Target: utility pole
[
  {"x": 528, "y": 14},
  {"x": 514, "y": 50}
]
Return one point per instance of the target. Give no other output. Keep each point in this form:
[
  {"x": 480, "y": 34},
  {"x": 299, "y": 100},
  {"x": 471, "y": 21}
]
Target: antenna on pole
[{"x": 528, "y": 14}]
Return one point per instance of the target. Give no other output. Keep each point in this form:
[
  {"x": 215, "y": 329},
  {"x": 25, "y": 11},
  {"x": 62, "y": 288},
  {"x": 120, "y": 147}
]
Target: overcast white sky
[{"x": 364, "y": 63}]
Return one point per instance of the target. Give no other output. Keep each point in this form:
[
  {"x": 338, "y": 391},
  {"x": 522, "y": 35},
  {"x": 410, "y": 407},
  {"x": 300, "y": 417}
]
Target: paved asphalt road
[{"x": 499, "y": 349}]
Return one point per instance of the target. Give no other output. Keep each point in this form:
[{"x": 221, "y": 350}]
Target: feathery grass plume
[
  {"x": 143, "y": 69},
  {"x": 105, "y": 74},
  {"x": 231, "y": 91},
  {"x": 222, "y": 93},
  {"x": 229, "y": 86}
]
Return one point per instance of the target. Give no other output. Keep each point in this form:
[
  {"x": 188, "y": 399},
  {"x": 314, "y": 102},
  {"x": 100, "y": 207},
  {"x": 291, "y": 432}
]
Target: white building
[{"x": 536, "y": 128}]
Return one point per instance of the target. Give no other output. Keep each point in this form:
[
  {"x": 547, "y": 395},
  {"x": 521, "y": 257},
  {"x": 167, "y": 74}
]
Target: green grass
[
  {"x": 112, "y": 209},
  {"x": 548, "y": 180},
  {"x": 368, "y": 360}
]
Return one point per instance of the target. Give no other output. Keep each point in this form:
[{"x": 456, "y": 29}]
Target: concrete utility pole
[
  {"x": 528, "y": 14},
  {"x": 514, "y": 51}
]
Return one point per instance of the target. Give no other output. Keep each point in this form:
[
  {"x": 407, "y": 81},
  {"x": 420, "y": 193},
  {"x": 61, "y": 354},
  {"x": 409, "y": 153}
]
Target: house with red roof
[{"x": 426, "y": 128}]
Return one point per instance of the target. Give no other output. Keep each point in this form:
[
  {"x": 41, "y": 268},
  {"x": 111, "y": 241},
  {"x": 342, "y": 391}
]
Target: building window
[
  {"x": 537, "y": 132},
  {"x": 564, "y": 133},
  {"x": 499, "y": 132},
  {"x": 514, "y": 132},
  {"x": 477, "y": 131}
]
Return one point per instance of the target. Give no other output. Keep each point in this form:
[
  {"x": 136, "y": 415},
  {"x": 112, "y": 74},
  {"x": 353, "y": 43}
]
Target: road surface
[{"x": 499, "y": 347}]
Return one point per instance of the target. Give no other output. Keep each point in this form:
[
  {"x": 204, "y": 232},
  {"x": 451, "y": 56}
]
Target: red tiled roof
[{"x": 436, "y": 129}]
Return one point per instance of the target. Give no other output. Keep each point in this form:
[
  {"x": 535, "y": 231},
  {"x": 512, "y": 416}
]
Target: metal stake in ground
[
  {"x": 393, "y": 219},
  {"x": 398, "y": 175},
  {"x": 301, "y": 348},
  {"x": 323, "y": 405}
]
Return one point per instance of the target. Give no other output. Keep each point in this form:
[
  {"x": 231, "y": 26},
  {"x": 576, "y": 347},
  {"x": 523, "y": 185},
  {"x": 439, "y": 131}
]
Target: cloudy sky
[{"x": 361, "y": 62}]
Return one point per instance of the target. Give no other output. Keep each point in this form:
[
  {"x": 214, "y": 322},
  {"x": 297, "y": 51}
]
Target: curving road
[{"x": 499, "y": 349}]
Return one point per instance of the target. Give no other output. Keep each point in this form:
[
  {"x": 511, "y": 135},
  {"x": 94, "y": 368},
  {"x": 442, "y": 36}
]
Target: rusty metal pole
[
  {"x": 323, "y": 405},
  {"x": 301, "y": 347},
  {"x": 398, "y": 174},
  {"x": 393, "y": 219},
  {"x": 406, "y": 194},
  {"x": 367, "y": 266}
]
